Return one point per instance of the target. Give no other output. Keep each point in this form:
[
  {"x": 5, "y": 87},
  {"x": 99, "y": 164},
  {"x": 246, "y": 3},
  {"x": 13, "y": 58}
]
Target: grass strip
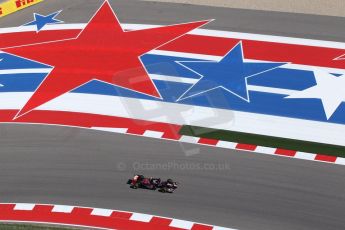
[{"x": 262, "y": 140}]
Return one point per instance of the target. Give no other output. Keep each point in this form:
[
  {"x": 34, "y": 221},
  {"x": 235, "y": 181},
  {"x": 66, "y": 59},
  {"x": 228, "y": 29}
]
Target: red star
[{"x": 102, "y": 51}]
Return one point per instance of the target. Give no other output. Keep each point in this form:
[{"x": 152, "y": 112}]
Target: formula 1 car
[
  {"x": 168, "y": 186},
  {"x": 139, "y": 181}
]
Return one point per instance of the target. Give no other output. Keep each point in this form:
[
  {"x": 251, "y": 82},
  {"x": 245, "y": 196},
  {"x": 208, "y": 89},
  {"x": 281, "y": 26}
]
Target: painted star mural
[
  {"x": 42, "y": 20},
  {"x": 102, "y": 51},
  {"x": 230, "y": 74},
  {"x": 329, "y": 89}
]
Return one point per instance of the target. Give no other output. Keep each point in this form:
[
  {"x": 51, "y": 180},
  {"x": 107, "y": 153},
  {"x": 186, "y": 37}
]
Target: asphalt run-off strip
[{"x": 93, "y": 218}]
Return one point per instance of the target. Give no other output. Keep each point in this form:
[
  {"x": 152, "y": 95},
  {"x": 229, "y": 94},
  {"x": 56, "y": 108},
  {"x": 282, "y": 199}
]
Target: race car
[
  {"x": 168, "y": 186},
  {"x": 140, "y": 181}
]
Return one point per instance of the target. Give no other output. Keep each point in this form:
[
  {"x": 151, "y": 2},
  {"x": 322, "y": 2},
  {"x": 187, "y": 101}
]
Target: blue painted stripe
[{"x": 14, "y": 62}]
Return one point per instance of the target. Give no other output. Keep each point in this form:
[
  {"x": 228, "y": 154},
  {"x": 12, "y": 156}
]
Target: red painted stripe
[
  {"x": 6, "y": 208},
  {"x": 246, "y": 147},
  {"x": 285, "y": 152},
  {"x": 160, "y": 221},
  {"x": 79, "y": 216},
  {"x": 43, "y": 210},
  {"x": 121, "y": 215},
  {"x": 201, "y": 45},
  {"x": 321, "y": 157},
  {"x": 136, "y": 130},
  {"x": 207, "y": 141},
  {"x": 91, "y": 120},
  {"x": 201, "y": 227},
  {"x": 24, "y": 38},
  {"x": 270, "y": 51},
  {"x": 173, "y": 134},
  {"x": 82, "y": 211}
]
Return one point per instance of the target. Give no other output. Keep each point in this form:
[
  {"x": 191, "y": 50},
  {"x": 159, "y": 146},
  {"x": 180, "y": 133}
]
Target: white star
[{"x": 329, "y": 88}]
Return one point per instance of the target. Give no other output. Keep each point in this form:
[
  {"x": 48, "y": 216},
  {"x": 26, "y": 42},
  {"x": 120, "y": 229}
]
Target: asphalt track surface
[
  {"x": 240, "y": 20},
  {"x": 72, "y": 166}
]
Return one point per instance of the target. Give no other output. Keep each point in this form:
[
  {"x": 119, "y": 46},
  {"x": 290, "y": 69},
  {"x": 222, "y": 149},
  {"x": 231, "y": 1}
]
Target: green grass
[
  {"x": 268, "y": 141},
  {"x": 31, "y": 227}
]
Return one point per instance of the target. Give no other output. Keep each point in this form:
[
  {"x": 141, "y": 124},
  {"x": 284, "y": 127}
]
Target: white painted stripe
[
  {"x": 181, "y": 224},
  {"x": 203, "y": 32},
  {"x": 185, "y": 55},
  {"x": 305, "y": 156},
  {"x": 24, "y": 207},
  {"x": 189, "y": 139},
  {"x": 264, "y": 89},
  {"x": 226, "y": 144},
  {"x": 107, "y": 213},
  {"x": 153, "y": 134},
  {"x": 101, "y": 212},
  {"x": 250, "y": 87},
  {"x": 63, "y": 208},
  {"x": 173, "y": 79},
  {"x": 217, "y": 58},
  {"x": 141, "y": 217},
  {"x": 24, "y": 71},
  {"x": 187, "y": 115},
  {"x": 265, "y": 150},
  {"x": 114, "y": 130},
  {"x": 269, "y": 38},
  {"x": 20, "y": 29},
  {"x": 312, "y": 68},
  {"x": 340, "y": 161}
]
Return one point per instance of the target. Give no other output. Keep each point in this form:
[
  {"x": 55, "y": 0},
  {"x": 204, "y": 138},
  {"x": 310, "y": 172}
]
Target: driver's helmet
[
  {"x": 170, "y": 181},
  {"x": 146, "y": 181}
]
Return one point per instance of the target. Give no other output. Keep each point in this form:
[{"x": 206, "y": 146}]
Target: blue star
[
  {"x": 41, "y": 20},
  {"x": 230, "y": 74}
]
